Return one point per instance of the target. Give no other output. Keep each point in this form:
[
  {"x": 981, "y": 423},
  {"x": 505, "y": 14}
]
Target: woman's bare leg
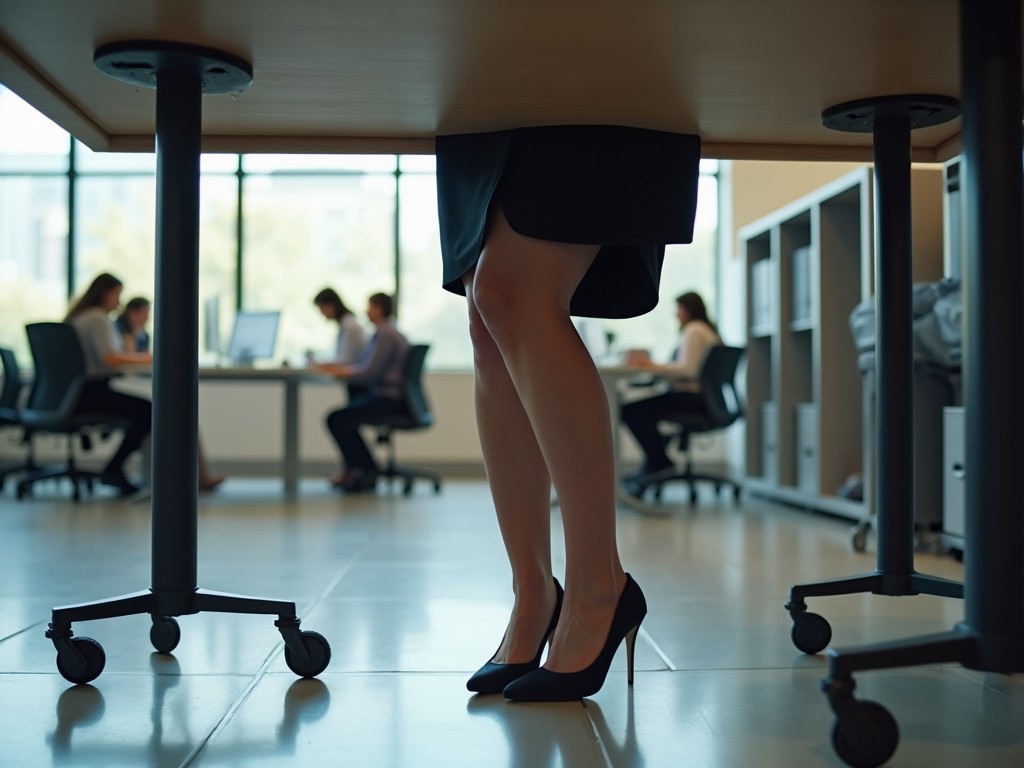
[
  {"x": 521, "y": 490},
  {"x": 522, "y": 288}
]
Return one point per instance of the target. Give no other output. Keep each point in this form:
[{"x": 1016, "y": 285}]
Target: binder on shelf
[{"x": 801, "y": 283}]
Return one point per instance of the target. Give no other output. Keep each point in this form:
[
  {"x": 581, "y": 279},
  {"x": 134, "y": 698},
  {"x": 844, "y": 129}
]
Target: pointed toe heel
[
  {"x": 493, "y": 677},
  {"x": 545, "y": 685}
]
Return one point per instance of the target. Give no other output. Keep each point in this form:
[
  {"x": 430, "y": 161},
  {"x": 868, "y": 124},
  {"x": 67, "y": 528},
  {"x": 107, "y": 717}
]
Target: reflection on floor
[{"x": 413, "y": 594}]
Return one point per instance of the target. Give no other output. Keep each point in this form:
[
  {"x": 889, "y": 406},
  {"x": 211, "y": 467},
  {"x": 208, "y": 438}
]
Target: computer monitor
[
  {"x": 253, "y": 336},
  {"x": 211, "y": 325}
]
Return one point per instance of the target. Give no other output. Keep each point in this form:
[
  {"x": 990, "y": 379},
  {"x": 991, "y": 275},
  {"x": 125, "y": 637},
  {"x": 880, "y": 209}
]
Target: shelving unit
[{"x": 814, "y": 258}]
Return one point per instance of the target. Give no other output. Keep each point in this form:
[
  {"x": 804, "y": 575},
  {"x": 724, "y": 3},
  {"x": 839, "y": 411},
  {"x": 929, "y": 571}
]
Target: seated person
[
  {"x": 379, "y": 372},
  {"x": 351, "y": 337},
  {"x": 131, "y": 324},
  {"x": 104, "y": 352},
  {"x": 698, "y": 335},
  {"x": 104, "y": 349}
]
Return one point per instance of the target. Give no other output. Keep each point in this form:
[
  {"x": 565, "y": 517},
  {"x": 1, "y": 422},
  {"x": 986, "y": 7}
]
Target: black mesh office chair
[
  {"x": 722, "y": 409},
  {"x": 417, "y": 415},
  {"x": 10, "y": 414},
  {"x": 52, "y": 404}
]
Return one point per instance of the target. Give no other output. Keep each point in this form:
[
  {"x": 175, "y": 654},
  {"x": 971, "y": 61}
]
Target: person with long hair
[
  {"x": 104, "y": 346},
  {"x": 696, "y": 338},
  {"x": 104, "y": 352},
  {"x": 539, "y": 225},
  {"x": 351, "y": 337},
  {"x": 131, "y": 324}
]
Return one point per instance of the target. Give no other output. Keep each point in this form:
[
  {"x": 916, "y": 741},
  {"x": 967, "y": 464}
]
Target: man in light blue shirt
[{"x": 379, "y": 373}]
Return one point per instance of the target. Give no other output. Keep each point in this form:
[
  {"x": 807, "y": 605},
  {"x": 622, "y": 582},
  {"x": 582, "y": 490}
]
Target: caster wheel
[
  {"x": 718, "y": 490},
  {"x": 95, "y": 659},
  {"x": 811, "y": 633},
  {"x": 407, "y": 489},
  {"x": 164, "y": 634},
  {"x": 871, "y": 753},
  {"x": 319, "y": 655},
  {"x": 859, "y": 538},
  {"x": 693, "y": 495},
  {"x": 21, "y": 492},
  {"x": 736, "y": 494},
  {"x": 437, "y": 487}
]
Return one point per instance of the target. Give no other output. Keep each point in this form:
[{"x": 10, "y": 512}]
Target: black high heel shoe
[
  {"x": 545, "y": 685},
  {"x": 493, "y": 677}
]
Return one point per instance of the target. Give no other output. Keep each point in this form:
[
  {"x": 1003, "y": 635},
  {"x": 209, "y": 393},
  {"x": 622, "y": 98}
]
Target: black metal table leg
[
  {"x": 890, "y": 119},
  {"x": 180, "y": 74},
  {"x": 991, "y": 637}
]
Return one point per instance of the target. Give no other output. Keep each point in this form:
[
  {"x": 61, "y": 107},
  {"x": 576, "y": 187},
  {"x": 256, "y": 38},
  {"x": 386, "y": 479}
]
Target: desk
[
  {"x": 611, "y": 376},
  {"x": 751, "y": 78},
  {"x": 291, "y": 379}
]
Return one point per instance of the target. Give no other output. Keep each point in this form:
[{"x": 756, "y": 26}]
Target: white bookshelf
[{"x": 807, "y": 266}]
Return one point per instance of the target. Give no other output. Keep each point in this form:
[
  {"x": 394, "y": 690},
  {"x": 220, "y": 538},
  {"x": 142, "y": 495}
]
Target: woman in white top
[
  {"x": 104, "y": 352},
  {"x": 351, "y": 336},
  {"x": 698, "y": 335}
]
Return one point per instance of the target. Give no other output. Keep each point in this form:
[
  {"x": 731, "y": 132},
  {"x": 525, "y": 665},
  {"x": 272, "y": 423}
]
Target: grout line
[
  {"x": 274, "y": 653},
  {"x": 22, "y": 631},
  {"x": 657, "y": 649}
]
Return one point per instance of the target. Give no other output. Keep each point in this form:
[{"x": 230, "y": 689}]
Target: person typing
[{"x": 379, "y": 374}]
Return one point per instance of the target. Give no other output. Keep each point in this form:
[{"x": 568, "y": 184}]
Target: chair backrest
[
  {"x": 59, "y": 372},
  {"x": 12, "y": 379},
  {"x": 415, "y": 395},
  {"x": 718, "y": 385}
]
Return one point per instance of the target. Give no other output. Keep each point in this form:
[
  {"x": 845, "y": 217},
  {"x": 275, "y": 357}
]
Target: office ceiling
[{"x": 751, "y": 76}]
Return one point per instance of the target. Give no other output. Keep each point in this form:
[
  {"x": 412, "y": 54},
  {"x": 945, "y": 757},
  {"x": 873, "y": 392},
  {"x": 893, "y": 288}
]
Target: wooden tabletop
[{"x": 750, "y": 76}]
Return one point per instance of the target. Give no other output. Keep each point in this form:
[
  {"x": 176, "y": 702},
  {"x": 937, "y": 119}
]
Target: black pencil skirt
[{"x": 629, "y": 190}]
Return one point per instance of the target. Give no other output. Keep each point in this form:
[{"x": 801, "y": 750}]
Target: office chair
[
  {"x": 417, "y": 415},
  {"x": 59, "y": 378},
  {"x": 722, "y": 408},
  {"x": 10, "y": 416}
]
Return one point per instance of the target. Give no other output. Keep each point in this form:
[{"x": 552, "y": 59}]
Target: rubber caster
[
  {"x": 859, "y": 538},
  {"x": 407, "y": 488},
  {"x": 21, "y": 491},
  {"x": 165, "y": 634},
  {"x": 87, "y": 670},
  {"x": 736, "y": 492},
  {"x": 868, "y": 751},
  {"x": 693, "y": 495},
  {"x": 811, "y": 633},
  {"x": 319, "y": 651},
  {"x": 437, "y": 487}
]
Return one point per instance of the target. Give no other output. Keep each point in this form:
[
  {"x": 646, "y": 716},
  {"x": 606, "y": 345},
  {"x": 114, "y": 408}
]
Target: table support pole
[
  {"x": 181, "y": 74},
  {"x": 991, "y": 637}
]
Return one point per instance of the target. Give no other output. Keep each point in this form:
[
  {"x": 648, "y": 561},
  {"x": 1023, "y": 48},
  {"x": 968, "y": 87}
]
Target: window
[
  {"x": 274, "y": 230},
  {"x": 33, "y": 221},
  {"x": 691, "y": 267},
  {"x": 305, "y": 230}
]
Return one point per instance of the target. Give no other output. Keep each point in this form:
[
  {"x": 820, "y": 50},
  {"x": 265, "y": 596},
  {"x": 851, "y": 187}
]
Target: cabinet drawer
[{"x": 953, "y": 471}]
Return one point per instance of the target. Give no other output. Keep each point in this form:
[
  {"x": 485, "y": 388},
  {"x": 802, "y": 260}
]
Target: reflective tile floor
[{"x": 413, "y": 595}]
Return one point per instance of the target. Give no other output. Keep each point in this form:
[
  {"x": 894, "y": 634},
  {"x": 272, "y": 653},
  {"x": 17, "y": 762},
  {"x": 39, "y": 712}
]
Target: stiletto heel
[
  {"x": 545, "y": 685},
  {"x": 630, "y": 644},
  {"x": 493, "y": 677}
]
